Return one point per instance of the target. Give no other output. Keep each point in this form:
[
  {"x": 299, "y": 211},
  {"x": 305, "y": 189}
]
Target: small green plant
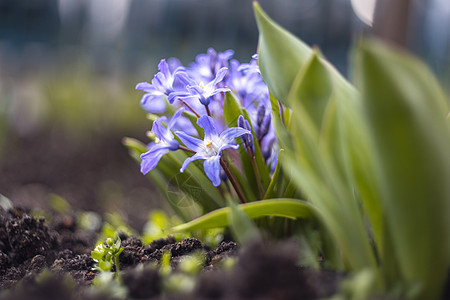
[{"x": 106, "y": 255}]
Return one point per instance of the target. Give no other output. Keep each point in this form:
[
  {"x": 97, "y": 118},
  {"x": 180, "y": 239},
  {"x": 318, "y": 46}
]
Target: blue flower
[
  {"x": 198, "y": 90},
  {"x": 251, "y": 67},
  {"x": 210, "y": 149},
  {"x": 164, "y": 142},
  {"x": 248, "y": 86},
  {"x": 162, "y": 85},
  {"x": 207, "y": 65}
]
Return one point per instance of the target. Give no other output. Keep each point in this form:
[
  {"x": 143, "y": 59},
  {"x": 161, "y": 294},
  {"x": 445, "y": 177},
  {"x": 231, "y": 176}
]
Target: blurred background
[{"x": 68, "y": 69}]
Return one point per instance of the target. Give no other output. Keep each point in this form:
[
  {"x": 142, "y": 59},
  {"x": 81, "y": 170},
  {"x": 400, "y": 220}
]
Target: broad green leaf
[
  {"x": 281, "y": 55},
  {"x": 407, "y": 110},
  {"x": 311, "y": 89},
  {"x": 288, "y": 208},
  {"x": 320, "y": 171},
  {"x": 232, "y": 109}
]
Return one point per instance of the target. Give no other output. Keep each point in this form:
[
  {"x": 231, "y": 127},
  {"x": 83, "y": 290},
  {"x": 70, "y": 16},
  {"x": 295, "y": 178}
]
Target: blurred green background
[{"x": 68, "y": 69}]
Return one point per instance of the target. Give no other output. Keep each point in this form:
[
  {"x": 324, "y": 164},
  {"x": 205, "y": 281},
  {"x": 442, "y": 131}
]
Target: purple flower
[
  {"x": 210, "y": 149},
  {"x": 164, "y": 142},
  {"x": 247, "y": 139},
  {"x": 251, "y": 67},
  {"x": 162, "y": 85},
  {"x": 198, "y": 90},
  {"x": 207, "y": 65},
  {"x": 249, "y": 87}
]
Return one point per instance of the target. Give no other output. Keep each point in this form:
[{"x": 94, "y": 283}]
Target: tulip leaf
[
  {"x": 406, "y": 111},
  {"x": 288, "y": 208},
  {"x": 281, "y": 55}
]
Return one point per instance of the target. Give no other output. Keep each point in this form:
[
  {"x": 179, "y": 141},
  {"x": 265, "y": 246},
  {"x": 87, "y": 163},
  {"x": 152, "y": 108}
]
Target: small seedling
[{"x": 106, "y": 255}]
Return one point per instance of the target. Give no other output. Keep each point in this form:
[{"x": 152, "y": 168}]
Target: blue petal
[
  {"x": 143, "y": 86},
  {"x": 153, "y": 103},
  {"x": 189, "y": 160},
  {"x": 164, "y": 68},
  {"x": 160, "y": 82},
  {"x": 227, "y": 54},
  {"x": 212, "y": 169},
  {"x": 189, "y": 141},
  {"x": 228, "y": 135},
  {"x": 207, "y": 123},
  {"x": 175, "y": 117},
  {"x": 157, "y": 130},
  {"x": 195, "y": 90},
  {"x": 175, "y": 95},
  {"x": 151, "y": 158},
  {"x": 226, "y": 147},
  {"x": 221, "y": 90},
  {"x": 220, "y": 75},
  {"x": 184, "y": 78}
]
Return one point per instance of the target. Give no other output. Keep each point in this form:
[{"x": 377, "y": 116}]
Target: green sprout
[{"x": 106, "y": 255}]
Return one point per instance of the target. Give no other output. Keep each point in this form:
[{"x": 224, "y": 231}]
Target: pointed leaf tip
[{"x": 281, "y": 55}]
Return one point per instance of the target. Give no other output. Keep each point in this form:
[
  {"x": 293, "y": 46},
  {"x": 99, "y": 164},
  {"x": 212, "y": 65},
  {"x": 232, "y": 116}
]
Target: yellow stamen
[
  {"x": 209, "y": 143},
  {"x": 157, "y": 140}
]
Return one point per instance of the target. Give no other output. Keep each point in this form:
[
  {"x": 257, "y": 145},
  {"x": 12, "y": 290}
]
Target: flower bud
[
  {"x": 247, "y": 139},
  {"x": 260, "y": 113},
  {"x": 265, "y": 125}
]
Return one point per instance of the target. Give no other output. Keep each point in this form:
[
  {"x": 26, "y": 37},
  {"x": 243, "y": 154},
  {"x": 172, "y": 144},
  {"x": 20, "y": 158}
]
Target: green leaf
[
  {"x": 242, "y": 227},
  {"x": 281, "y": 55},
  {"x": 276, "y": 186},
  {"x": 288, "y": 208},
  {"x": 316, "y": 162},
  {"x": 135, "y": 147},
  {"x": 232, "y": 109},
  {"x": 97, "y": 255},
  {"x": 263, "y": 169},
  {"x": 194, "y": 181},
  {"x": 311, "y": 89},
  {"x": 193, "y": 119},
  {"x": 407, "y": 110}
]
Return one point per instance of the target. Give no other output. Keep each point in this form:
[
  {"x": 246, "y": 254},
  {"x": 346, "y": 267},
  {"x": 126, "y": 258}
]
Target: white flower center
[{"x": 211, "y": 148}]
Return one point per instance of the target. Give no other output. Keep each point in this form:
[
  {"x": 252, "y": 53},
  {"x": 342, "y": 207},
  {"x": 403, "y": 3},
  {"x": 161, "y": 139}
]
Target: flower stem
[
  {"x": 186, "y": 149},
  {"x": 207, "y": 110},
  {"x": 190, "y": 108},
  {"x": 116, "y": 263},
  {"x": 233, "y": 181}
]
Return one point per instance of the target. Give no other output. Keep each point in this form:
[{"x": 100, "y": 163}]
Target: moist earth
[{"x": 51, "y": 260}]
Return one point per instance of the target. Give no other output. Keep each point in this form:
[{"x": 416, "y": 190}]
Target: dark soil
[
  {"x": 94, "y": 173},
  {"x": 30, "y": 246}
]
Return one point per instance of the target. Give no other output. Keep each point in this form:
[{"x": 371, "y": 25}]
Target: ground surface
[
  {"x": 93, "y": 173},
  {"x": 28, "y": 246}
]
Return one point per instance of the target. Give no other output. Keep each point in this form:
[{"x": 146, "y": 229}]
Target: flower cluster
[{"x": 200, "y": 90}]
